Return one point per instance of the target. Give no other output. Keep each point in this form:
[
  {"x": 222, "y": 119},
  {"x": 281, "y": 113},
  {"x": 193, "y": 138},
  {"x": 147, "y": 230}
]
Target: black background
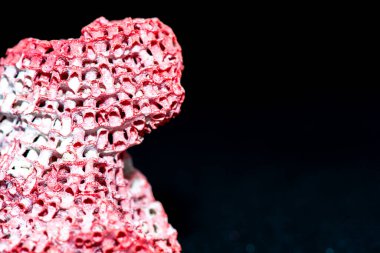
[{"x": 276, "y": 148}]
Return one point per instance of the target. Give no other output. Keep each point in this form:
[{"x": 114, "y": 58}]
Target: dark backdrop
[{"x": 268, "y": 154}]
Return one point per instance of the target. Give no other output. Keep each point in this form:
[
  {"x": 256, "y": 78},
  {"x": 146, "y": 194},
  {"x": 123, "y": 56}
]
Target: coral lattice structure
[{"x": 69, "y": 110}]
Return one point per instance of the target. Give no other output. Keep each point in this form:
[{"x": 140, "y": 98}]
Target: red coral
[{"x": 69, "y": 110}]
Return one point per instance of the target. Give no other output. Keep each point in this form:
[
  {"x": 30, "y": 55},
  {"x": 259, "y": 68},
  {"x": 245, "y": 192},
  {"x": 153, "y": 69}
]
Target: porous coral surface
[{"x": 69, "y": 110}]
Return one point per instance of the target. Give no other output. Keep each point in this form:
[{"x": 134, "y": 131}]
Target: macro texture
[{"x": 69, "y": 110}]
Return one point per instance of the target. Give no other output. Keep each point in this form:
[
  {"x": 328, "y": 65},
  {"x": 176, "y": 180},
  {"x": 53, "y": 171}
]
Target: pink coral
[{"x": 69, "y": 111}]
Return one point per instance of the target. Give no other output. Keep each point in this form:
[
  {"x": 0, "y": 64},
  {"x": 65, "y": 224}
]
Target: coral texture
[{"x": 69, "y": 110}]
